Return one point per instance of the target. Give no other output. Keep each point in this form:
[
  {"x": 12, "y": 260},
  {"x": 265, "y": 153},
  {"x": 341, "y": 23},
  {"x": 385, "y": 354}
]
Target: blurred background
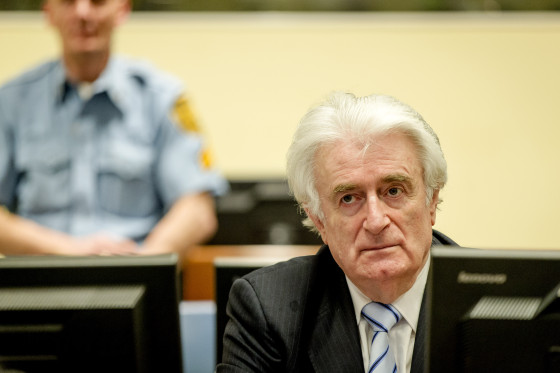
[
  {"x": 320, "y": 5},
  {"x": 484, "y": 74}
]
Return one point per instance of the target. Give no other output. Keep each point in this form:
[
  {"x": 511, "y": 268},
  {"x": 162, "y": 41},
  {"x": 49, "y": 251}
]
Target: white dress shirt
[{"x": 402, "y": 335}]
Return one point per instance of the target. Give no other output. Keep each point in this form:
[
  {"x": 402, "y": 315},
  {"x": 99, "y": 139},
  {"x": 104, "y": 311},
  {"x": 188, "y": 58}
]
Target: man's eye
[
  {"x": 347, "y": 199},
  {"x": 393, "y": 192}
]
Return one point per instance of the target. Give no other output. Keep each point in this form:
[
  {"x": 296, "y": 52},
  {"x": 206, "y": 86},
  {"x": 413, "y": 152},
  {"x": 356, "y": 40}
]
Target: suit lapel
[
  {"x": 334, "y": 344},
  {"x": 418, "y": 355}
]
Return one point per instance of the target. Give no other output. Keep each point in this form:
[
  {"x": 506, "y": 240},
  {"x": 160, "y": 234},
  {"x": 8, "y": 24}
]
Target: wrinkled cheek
[
  {"x": 366, "y": 263},
  {"x": 366, "y": 269},
  {"x": 345, "y": 261}
]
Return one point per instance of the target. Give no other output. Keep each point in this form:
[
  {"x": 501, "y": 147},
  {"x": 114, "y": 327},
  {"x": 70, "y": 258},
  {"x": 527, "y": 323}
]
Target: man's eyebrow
[
  {"x": 341, "y": 188},
  {"x": 393, "y": 178},
  {"x": 398, "y": 178}
]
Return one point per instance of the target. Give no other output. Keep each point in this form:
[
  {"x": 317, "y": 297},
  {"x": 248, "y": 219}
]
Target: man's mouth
[{"x": 379, "y": 247}]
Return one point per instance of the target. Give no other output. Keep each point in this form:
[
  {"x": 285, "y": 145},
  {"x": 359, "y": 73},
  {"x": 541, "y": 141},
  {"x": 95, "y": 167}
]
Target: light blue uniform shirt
[{"x": 112, "y": 163}]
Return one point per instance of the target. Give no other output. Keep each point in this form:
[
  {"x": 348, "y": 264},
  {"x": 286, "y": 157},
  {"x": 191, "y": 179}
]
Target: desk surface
[{"x": 198, "y": 264}]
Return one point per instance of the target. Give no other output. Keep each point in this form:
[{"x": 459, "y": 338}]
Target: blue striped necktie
[{"x": 381, "y": 317}]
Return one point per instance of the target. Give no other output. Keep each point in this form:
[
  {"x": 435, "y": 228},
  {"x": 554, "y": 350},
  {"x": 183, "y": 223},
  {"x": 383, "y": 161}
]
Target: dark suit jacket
[{"x": 297, "y": 316}]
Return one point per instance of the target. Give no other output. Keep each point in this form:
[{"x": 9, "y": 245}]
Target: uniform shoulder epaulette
[{"x": 150, "y": 77}]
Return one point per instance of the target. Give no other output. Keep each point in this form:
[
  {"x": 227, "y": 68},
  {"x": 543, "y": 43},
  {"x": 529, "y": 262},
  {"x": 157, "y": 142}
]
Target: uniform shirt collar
[
  {"x": 112, "y": 81},
  {"x": 59, "y": 83},
  {"x": 407, "y": 304}
]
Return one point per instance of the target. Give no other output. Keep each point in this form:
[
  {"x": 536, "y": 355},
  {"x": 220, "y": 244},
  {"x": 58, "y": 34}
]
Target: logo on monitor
[{"x": 481, "y": 278}]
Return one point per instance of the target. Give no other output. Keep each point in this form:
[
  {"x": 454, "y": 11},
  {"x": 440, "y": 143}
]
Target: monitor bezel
[
  {"x": 460, "y": 276},
  {"x": 160, "y": 275}
]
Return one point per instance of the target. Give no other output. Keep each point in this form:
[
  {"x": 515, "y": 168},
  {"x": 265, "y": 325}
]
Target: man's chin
[{"x": 386, "y": 265}]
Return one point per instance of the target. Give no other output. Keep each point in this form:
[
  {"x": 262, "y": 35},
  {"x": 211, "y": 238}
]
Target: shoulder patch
[
  {"x": 206, "y": 159},
  {"x": 185, "y": 119},
  {"x": 184, "y": 116}
]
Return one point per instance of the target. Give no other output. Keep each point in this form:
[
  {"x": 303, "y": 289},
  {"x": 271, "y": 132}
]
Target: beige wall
[{"x": 488, "y": 84}]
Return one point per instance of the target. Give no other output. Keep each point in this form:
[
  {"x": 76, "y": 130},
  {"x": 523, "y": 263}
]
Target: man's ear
[
  {"x": 125, "y": 8},
  {"x": 433, "y": 205},
  {"x": 47, "y": 11},
  {"x": 318, "y": 224}
]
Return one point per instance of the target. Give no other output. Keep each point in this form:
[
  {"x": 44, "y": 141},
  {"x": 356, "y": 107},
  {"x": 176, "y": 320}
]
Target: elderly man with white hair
[{"x": 367, "y": 171}]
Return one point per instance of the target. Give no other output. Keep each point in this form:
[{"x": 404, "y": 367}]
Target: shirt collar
[
  {"x": 407, "y": 304},
  {"x": 112, "y": 81},
  {"x": 60, "y": 84}
]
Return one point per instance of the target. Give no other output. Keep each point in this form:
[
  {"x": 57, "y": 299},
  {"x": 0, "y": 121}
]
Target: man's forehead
[{"x": 351, "y": 177}]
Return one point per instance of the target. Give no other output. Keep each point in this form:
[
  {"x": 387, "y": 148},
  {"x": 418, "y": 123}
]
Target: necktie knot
[{"x": 381, "y": 316}]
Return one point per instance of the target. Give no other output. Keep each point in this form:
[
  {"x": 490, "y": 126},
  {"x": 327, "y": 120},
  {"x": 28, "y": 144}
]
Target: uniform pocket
[
  {"x": 125, "y": 182},
  {"x": 44, "y": 176}
]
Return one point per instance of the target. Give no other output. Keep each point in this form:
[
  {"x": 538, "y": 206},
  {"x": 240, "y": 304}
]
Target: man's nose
[
  {"x": 83, "y": 7},
  {"x": 376, "y": 218}
]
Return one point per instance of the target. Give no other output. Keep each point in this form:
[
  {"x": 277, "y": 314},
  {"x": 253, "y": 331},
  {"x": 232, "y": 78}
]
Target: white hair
[{"x": 343, "y": 116}]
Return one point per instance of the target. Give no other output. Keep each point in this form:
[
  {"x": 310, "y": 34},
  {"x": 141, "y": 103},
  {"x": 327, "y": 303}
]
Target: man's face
[
  {"x": 86, "y": 26},
  {"x": 376, "y": 221}
]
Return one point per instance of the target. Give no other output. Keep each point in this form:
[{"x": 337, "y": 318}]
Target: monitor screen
[
  {"x": 90, "y": 314},
  {"x": 493, "y": 310},
  {"x": 260, "y": 212}
]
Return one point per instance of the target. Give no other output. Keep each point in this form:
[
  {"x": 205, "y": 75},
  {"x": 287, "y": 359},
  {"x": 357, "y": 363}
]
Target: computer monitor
[
  {"x": 493, "y": 310},
  {"x": 90, "y": 314},
  {"x": 260, "y": 212}
]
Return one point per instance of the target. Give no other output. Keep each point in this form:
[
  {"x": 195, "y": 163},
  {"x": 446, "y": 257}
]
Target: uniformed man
[{"x": 100, "y": 154}]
